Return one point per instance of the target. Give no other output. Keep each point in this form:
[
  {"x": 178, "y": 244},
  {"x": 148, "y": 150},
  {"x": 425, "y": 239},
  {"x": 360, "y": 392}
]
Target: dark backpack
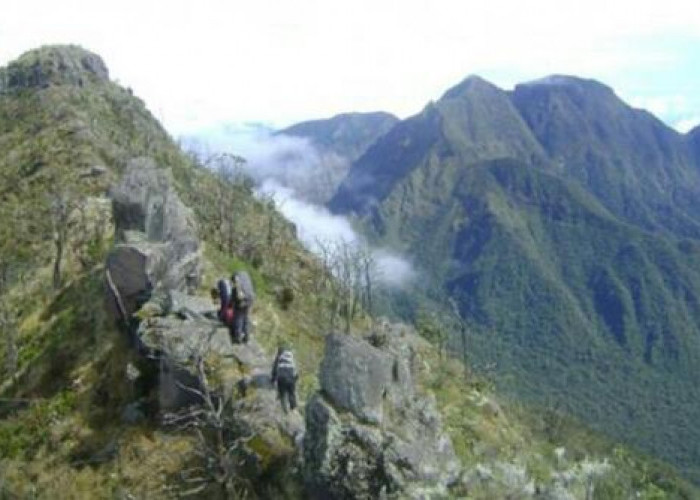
[
  {"x": 225, "y": 305},
  {"x": 243, "y": 294},
  {"x": 286, "y": 369}
]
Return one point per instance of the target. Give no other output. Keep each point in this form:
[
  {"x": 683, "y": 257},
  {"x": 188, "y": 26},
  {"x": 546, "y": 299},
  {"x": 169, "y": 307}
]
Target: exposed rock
[
  {"x": 145, "y": 201},
  {"x": 389, "y": 441},
  {"x": 184, "y": 340},
  {"x": 132, "y": 269},
  {"x": 358, "y": 377},
  {"x": 156, "y": 233},
  {"x": 94, "y": 171},
  {"x": 132, "y": 413},
  {"x": 53, "y": 65},
  {"x": 190, "y": 307},
  {"x": 132, "y": 372}
]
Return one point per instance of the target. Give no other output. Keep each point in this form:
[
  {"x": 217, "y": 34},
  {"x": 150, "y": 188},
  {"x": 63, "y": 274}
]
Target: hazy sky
[{"x": 199, "y": 63}]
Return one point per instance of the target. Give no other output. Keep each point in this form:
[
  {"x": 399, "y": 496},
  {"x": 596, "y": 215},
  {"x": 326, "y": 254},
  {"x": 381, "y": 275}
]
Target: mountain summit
[
  {"x": 565, "y": 226},
  {"x": 53, "y": 65},
  {"x": 635, "y": 165}
]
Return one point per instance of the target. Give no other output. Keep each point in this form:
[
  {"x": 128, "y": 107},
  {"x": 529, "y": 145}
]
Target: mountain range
[
  {"x": 566, "y": 226},
  {"x": 102, "y": 214}
]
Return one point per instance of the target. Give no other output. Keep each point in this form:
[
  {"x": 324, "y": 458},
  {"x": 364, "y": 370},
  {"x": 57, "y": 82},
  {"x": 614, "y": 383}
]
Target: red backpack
[{"x": 228, "y": 316}]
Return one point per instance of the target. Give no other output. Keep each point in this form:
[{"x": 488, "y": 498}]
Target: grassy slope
[{"x": 72, "y": 359}]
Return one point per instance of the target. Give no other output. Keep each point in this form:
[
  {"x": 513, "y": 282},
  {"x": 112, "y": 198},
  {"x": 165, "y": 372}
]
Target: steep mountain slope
[
  {"x": 74, "y": 416},
  {"x": 474, "y": 120},
  {"x": 335, "y": 144},
  {"x": 561, "y": 221},
  {"x": 693, "y": 138},
  {"x": 634, "y": 164},
  {"x": 79, "y": 414}
]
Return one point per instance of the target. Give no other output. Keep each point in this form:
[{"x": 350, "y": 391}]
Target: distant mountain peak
[
  {"x": 53, "y": 65},
  {"x": 471, "y": 85},
  {"x": 567, "y": 82},
  {"x": 364, "y": 115}
]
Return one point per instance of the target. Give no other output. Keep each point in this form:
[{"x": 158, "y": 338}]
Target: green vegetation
[
  {"x": 561, "y": 222},
  {"x": 68, "y": 383}
]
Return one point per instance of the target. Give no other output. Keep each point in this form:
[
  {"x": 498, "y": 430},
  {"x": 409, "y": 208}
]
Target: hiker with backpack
[
  {"x": 284, "y": 373},
  {"x": 242, "y": 298},
  {"x": 222, "y": 294}
]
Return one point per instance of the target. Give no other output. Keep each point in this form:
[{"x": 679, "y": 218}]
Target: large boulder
[
  {"x": 358, "y": 377},
  {"x": 157, "y": 244},
  {"x": 369, "y": 432},
  {"x": 146, "y": 201}
]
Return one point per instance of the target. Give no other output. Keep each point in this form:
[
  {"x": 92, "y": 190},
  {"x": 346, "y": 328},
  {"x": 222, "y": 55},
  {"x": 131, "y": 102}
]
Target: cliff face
[{"x": 368, "y": 432}]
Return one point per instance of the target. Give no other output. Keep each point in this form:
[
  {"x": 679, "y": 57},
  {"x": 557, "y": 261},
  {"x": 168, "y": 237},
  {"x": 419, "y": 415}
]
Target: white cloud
[
  {"x": 316, "y": 226},
  {"x": 314, "y": 223},
  {"x": 393, "y": 270},
  {"x": 281, "y": 163},
  {"x": 665, "y": 105},
  {"x": 676, "y": 110},
  {"x": 203, "y": 62},
  {"x": 687, "y": 124},
  {"x": 290, "y": 161}
]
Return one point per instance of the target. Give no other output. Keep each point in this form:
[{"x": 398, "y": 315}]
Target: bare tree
[
  {"x": 230, "y": 172},
  {"x": 370, "y": 271},
  {"x": 347, "y": 281},
  {"x": 217, "y": 447},
  {"x": 462, "y": 325},
  {"x": 62, "y": 201}
]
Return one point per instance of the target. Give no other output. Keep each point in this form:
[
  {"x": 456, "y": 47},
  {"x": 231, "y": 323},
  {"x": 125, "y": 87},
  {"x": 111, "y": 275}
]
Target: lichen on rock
[
  {"x": 157, "y": 243},
  {"x": 369, "y": 432}
]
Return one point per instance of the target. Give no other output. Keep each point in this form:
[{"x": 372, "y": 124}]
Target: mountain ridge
[
  {"x": 573, "y": 256},
  {"x": 87, "y": 419}
]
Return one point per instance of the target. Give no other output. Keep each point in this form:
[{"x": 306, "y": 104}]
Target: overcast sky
[{"x": 201, "y": 63}]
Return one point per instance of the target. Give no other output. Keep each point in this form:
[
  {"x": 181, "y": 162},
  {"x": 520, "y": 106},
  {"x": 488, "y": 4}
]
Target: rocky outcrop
[
  {"x": 359, "y": 379},
  {"x": 157, "y": 245},
  {"x": 369, "y": 432},
  {"x": 185, "y": 350},
  {"x": 53, "y": 65}
]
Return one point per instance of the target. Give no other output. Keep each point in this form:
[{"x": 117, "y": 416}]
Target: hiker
[
  {"x": 223, "y": 293},
  {"x": 242, "y": 298},
  {"x": 284, "y": 373},
  {"x": 225, "y": 313}
]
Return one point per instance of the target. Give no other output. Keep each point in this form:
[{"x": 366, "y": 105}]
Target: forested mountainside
[
  {"x": 565, "y": 225},
  {"x": 117, "y": 381}
]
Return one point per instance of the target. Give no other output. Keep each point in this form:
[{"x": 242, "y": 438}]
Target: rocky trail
[{"x": 367, "y": 432}]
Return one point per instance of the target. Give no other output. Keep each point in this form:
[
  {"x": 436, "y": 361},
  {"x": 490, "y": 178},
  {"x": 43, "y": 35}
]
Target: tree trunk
[{"x": 57, "y": 262}]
